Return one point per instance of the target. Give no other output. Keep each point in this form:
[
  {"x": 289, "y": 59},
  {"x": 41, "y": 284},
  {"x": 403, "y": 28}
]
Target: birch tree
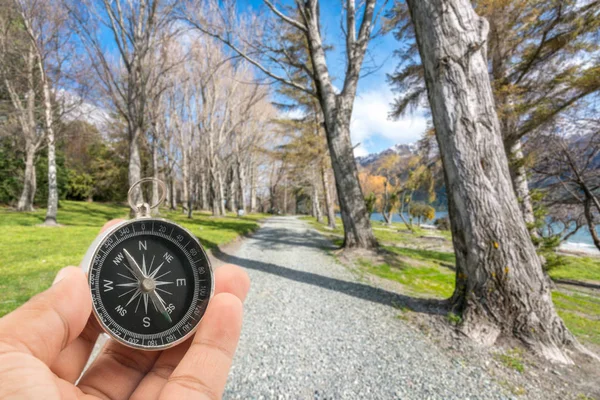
[
  {"x": 46, "y": 25},
  {"x": 500, "y": 286},
  {"x": 17, "y": 69},
  {"x": 270, "y": 56}
]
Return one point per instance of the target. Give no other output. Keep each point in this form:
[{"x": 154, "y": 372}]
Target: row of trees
[{"x": 178, "y": 106}]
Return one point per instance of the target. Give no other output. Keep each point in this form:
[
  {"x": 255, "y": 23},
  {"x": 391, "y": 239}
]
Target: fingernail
[{"x": 60, "y": 276}]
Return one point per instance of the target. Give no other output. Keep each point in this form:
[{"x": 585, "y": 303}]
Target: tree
[
  {"x": 336, "y": 107},
  {"x": 46, "y": 25},
  {"x": 538, "y": 64},
  {"x": 388, "y": 202},
  {"x": 567, "y": 169},
  {"x": 500, "y": 286},
  {"x": 422, "y": 211}
]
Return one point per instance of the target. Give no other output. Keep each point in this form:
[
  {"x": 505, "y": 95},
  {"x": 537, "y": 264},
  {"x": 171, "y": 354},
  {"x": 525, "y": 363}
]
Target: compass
[{"x": 150, "y": 281}]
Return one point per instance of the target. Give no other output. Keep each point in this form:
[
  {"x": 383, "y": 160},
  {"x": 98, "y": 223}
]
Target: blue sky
[{"x": 370, "y": 126}]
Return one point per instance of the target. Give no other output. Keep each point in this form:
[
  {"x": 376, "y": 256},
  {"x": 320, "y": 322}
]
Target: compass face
[{"x": 151, "y": 282}]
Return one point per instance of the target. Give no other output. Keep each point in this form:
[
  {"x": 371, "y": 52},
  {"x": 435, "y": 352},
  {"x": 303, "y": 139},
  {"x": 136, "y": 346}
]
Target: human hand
[{"x": 45, "y": 344}]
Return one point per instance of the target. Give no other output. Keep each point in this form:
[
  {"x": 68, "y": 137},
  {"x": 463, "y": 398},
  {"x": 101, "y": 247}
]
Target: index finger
[
  {"x": 204, "y": 369},
  {"x": 48, "y": 322}
]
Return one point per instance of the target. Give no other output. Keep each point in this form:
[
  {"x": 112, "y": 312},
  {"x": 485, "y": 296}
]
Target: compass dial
[{"x": 151, "y": 282}]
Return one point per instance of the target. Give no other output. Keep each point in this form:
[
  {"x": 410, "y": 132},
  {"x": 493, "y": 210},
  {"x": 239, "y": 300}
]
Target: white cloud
[
  {"x": 370, "y": 120},
  {"x": 360, "y": 151}
]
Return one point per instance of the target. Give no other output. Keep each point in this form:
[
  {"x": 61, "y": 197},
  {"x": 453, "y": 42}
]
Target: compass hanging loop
[{"x": 144, "y": 209}]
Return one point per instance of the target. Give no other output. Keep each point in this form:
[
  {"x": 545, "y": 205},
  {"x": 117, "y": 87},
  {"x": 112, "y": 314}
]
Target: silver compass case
[{"x": 150, "y": 282}]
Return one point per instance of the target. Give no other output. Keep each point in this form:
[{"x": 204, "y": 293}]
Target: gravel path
[{"x": 312, "y": 331}]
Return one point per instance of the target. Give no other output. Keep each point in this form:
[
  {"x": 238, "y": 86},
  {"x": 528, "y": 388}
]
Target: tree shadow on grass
[{"x": 354, "y": 289}]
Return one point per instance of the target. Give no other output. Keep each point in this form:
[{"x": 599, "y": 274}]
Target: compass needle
[
  {"x": 128, "y": 284},
  {"x": 149, "y": 291},
  {"x": 135, "y": 268}
]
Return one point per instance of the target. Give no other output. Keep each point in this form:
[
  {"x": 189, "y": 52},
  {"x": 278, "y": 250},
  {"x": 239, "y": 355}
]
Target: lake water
[{"x": 581, "y": 241}]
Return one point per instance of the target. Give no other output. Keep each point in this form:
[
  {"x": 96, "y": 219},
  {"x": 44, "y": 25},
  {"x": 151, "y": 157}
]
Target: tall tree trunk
[
  {"x": 518, "y": 175},
  {"x": 253, "y": 204},
  {"x": 500, "y": 286},
  {"x": 589, "y": 216},
  {"x": 155, "y": 194},
  {"x": 190, "y": 200},
  {"x": 26, "y": 117},
  {"x": 337, "y": 113},
  {"x": 328, "y": 198},
  {"x": 173, "y": 190},
  {"x": 232, "y": 193},
  {"x": 241, "y": 173},
  {"x": 357, "y": 226},
  {"x": 203, "y": 191},
  {"x": 29, "y": 181},
  {"x": 316, "y": 203},
  {"x": 135, "y": 165},
  {"x": 285, "y": 197},
  {"x": 185, "y": 172},
  {"x": 49, "y": 125},
  {"x": 385, "y": 210},
  {"x": 221, "y": 196},
  {"x": 404, "y": 200}
]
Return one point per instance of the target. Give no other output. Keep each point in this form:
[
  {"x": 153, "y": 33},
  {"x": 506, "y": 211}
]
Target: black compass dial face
[{"x": 151, "y": 282}]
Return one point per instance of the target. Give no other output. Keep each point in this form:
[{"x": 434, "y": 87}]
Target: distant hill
[{"x": 371, "y": 160}]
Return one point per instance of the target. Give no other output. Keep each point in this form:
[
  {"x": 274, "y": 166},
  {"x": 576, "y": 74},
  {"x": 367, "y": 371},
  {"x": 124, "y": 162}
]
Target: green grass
[
  {"x": 578, "y": 269},
  {"x": 425, "y": 272},
  {"x": 30, "y": 255},
  {"x": 428, "y": 279},
  {"x": 512, "y": 359}
]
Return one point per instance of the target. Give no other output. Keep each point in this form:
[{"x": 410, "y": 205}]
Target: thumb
[{"x": 51, "y": 320}]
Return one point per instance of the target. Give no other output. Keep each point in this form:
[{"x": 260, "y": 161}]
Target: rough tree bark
[
  {"x": 135, "y": 163},
  {"x": 387, "y": 214},
  {"x": 49, "y": 124},
  {"x": 328, "y": 198},
  {"x": 27, "y": 122},
  {"x": 253, "y": 183},
  {"x": 589, "y": 216},
  {"x": 316, "y": 203},
  {"x": 155, "y": 194},
  {"x": 520, "y": 183},
  {"x": 500, "y": 286}
]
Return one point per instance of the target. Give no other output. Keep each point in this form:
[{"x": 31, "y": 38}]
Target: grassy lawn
[
  {"x": 427, "y": 273},
  {"x": 32, "y": 254}
]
